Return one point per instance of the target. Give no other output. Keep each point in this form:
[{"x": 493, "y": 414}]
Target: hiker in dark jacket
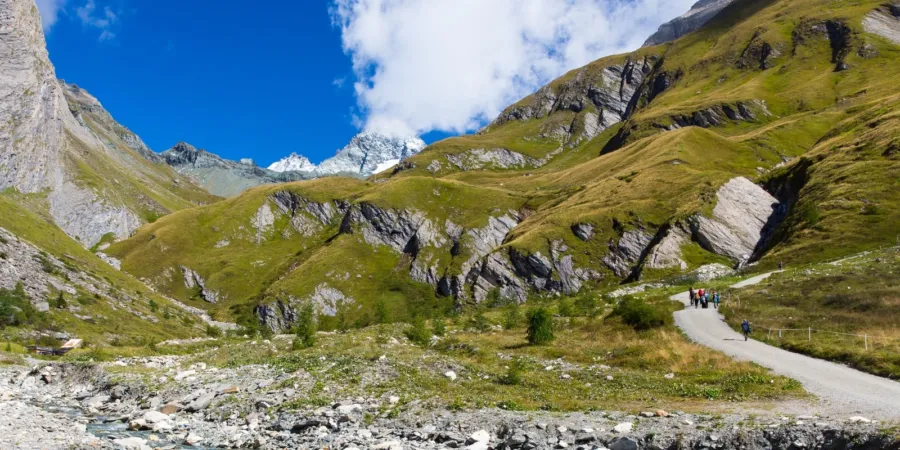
[
  {"x": 745, "y": 328},
  {"x": 693, "y": 295}
]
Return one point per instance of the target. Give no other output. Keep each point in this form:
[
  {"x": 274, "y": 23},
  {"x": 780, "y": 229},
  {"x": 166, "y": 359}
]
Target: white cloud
[
  {"x": 103, "y": 19},
  {"x": 452, "y": 65},
  {"x": 49, "y": 10}
]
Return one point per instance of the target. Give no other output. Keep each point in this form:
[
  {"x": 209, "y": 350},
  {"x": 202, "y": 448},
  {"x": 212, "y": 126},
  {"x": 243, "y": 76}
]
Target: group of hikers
[{"x": 703, "y": 297}]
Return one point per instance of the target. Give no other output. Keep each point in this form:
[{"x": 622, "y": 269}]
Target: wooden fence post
[
  {"x": 809, "y": 334},
  {"x": 866, "y": 338}
]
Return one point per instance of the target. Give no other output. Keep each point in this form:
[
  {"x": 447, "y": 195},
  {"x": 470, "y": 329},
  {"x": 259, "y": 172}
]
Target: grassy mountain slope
[
  {"x": 101, "y": 304},
  {"x": 580, "y": 184}
]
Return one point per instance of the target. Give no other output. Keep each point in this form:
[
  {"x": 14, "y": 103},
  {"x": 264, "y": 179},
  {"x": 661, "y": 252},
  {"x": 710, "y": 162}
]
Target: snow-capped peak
[
  {"x": 369, "y": 153},
  {"x": 293, "y": 163}
]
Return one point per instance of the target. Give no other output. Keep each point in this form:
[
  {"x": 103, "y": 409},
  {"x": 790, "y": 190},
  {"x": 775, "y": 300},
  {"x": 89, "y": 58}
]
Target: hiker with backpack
[
  {"x": 716, "y": 298},
  {"x": 745, "y": 328},
  {"x": 693, "y": 295},
  {"x": 699, "y": 298}
]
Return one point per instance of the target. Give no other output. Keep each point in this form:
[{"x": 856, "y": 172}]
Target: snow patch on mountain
[
  {"x": 386, "y": 165},
  {"x": 293, "y": 162}
]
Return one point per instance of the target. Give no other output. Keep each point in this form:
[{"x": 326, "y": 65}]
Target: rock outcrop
[
  {"x": 741, "y": 213},
  {"x": 600, "y": 98},
  {"x": 885, "y": 22},
  {"x": 193, "y": 280},
  {"x": 699, "y": 14}
]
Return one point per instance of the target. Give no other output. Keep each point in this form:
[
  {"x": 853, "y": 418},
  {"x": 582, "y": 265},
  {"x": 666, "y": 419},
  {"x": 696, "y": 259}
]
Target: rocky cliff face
[
  {"x": 699, "y": 14},
  {"x": 40, "y": 144}
]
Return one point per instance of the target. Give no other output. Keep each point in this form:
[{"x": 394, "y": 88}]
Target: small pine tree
[
  {"x": 166, "y": 314},
  {"x": 565, "y": 308},
  {"x": 512, "y": 318},
  {"x": 382, "y": 315},
  {"x": 479, "y": 321},
  {"x": 438, "y": 327},
  {"x": 587, "y": 306},
  {"x": 152, "y": 305},
  {"x": 513, "y": 375},
  {"x": 540, "y": 327},
  {"x": 417, "y": 332},
  {"x": 60, "y": 302},
  {"x": 213, "y": 331},
  {"x": 305, "y": 330}
]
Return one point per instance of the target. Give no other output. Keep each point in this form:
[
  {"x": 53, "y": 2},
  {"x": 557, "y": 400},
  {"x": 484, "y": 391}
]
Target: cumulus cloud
[
  {"x": 50, "y": 10},
  {"x": 452, "y": 65},
  {"x": 102, "y": 19}
]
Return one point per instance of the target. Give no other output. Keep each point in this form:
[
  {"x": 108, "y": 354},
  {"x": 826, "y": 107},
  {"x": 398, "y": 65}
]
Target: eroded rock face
[
  {"x": 667, "y": 253},
  {"x": 584, "y": 231},
  {"x": 699, "y": 15},
  {"x": 42, "y": 131},
  {"x": 281, "y": 315},
  {"x": 601, "y": 99},
  {"x": 626, "y": 253},
  {"x": 741, "y": 213},
  {"x": 885, "y": 22},
  {"x": 193, "y": 280}
]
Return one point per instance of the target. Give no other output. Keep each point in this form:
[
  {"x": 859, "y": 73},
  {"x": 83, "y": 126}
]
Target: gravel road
[{"x": 842, "y": 390}]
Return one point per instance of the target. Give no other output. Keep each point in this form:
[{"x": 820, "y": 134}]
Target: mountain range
[{"x": 748, "y": 132}]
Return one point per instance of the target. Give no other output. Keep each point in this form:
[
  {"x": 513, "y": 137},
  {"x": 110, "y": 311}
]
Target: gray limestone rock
[
  {"x": 584, "y": 231},
  {"x": 884, "y": 22},
  {"x": 626, "y": 253},
  {"x": 741, "y": 213},
  {"x": 193, "y": 280}
]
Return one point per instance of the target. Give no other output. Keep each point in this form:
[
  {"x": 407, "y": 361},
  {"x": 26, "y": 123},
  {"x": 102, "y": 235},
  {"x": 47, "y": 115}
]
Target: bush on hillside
[
  {"x": 418, "y": 332},
  {"x": 640, "y": 315},
  {"x": 540, "y": 327},
  {"x": 512, "y": 317},
  {"x": 306, "y": 327}
]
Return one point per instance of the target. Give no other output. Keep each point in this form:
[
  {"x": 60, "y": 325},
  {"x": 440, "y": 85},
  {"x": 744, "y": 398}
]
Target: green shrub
[
  {"x": 587, "y": 306},
  {"x": 152, "y": 305},
  {"x": 417, "y": 332},
  {"x": 512, "y": 317},
  {"x": 382, "y": 315},
  {"x": 565, "y": 308},
  {"x": 213, "y": 331},
  {"x": 513, "y": 375},
  {"x": 479, "y": 322},
  {"x": 810, "y": 213},
  {"x": 439, "y": 327},
  {"x": 640, "y": 315},
  {"x": 60, "y": 302},
  {"x": 540, "y": 327},
  {"x": 16, "y": 308},
  {"x": 305, "y": 330}
]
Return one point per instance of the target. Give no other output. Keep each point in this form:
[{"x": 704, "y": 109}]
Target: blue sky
[
  {"x": 241, "y": 82},
  {"x": 263, "y": 80}
]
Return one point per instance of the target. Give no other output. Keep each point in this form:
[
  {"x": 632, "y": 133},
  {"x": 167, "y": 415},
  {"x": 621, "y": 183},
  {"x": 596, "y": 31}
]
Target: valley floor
[{"x": 121, "y": 405}]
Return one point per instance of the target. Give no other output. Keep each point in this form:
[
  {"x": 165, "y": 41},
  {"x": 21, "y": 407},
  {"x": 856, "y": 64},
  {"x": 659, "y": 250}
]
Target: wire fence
[
  {"x": 809, "y": 334},
  {"x": 868, "y": 341}
]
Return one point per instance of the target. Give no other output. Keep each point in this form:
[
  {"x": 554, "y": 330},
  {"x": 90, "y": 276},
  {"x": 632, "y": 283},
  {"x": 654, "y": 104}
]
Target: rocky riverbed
[{"x": 160, "y": 402}]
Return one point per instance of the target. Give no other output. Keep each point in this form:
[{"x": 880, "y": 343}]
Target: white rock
[
  {"x": 182, "y": 375},
  {"x": 859, "y": 419},
  {"x": 561, "y": 429},
  {"x": 132, "y": 443},
  {"x": 624, "y": 427},
  {"x": 193, "y": 439},
  {"x": 481, "y": 436},
  {"x": 669, "y": 376},
  {"x": 609, "y": 378},
  {"x": 393, "y": 399},
  {"x": 451, "y": 375},
  {"x": 152, "y": 417},
  {"x": 349, "y": 409},
  {"x": 389, "y": 445}
]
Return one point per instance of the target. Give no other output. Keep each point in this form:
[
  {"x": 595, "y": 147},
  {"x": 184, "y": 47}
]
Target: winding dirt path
[{"x": 842, "y": 390}]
